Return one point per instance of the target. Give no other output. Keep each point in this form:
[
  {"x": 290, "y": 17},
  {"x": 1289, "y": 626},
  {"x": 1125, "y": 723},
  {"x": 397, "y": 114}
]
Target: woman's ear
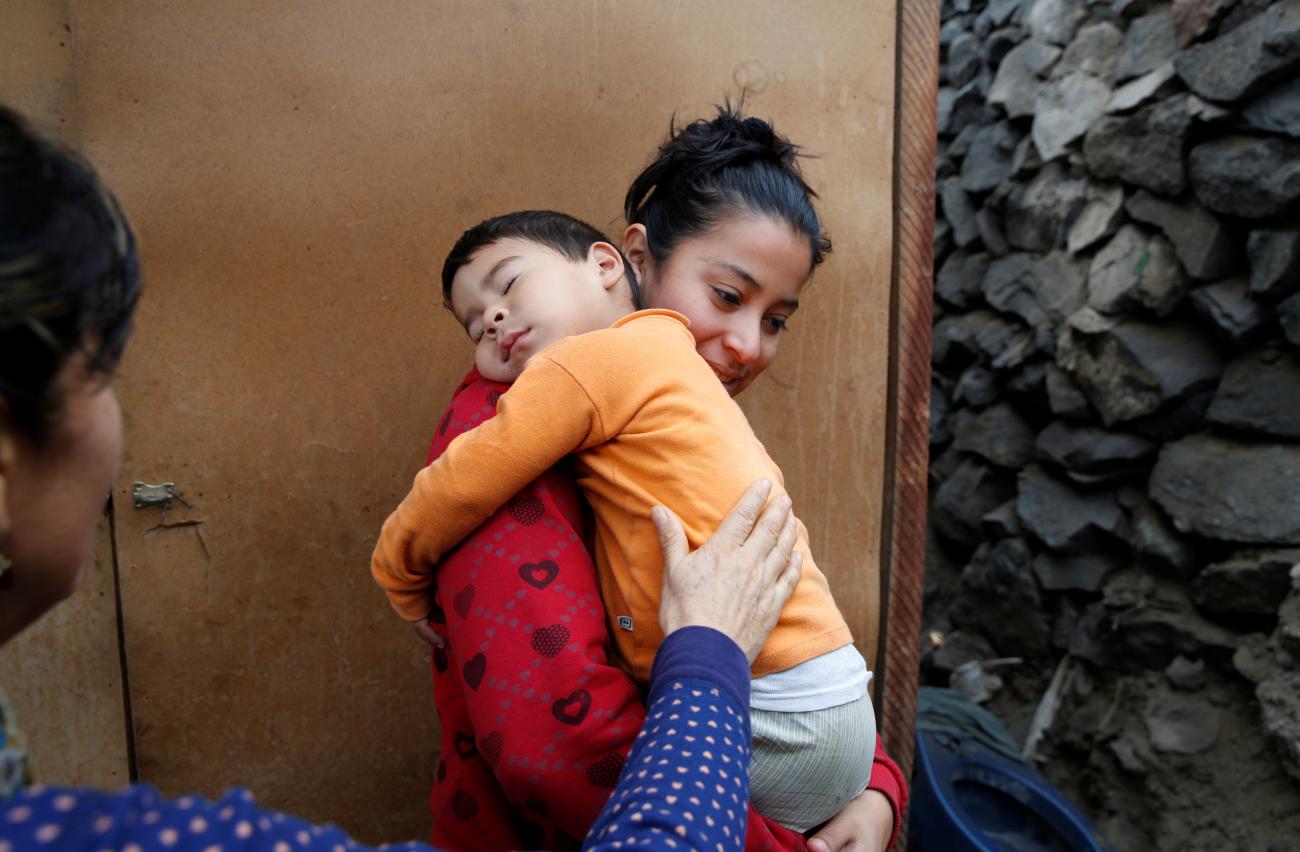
[
  {"x": 636, "y": 248},
  {"x": 609, "y": 263}
]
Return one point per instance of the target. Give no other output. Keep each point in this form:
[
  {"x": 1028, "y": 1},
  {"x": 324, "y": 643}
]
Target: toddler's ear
[{"x": 609, "y": 263}]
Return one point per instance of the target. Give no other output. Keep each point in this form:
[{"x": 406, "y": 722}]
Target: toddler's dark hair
[
  {"x": 69, "y": 275},
  {"x": 709, "y": 170},
  {"x": 566, "y": 234}
]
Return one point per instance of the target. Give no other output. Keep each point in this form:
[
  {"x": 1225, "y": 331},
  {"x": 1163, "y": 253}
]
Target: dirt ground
[{"x": 1235, "y": 795}]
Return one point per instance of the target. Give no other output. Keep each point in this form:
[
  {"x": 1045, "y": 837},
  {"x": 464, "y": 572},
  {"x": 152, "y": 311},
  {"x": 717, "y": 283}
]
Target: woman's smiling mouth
[{"x": 730, "y": 379}]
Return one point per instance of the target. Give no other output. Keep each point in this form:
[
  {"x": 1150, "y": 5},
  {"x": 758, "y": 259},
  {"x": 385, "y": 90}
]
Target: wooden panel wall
[
  {"x": 296, "y": 172},
  {"x": 37, "y": 69},
  {"x": 64, "y": 679},
  {"x": 63, "y": 675}
]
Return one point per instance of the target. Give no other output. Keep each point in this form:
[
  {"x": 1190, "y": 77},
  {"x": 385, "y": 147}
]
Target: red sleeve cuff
[
  {"x": 763, "y": 835},
  {"x": 887, "y": 779}
]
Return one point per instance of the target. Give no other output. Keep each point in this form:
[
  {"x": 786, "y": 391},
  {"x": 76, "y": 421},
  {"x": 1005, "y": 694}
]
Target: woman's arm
[
  {"x": 686, "y": 783},
  {"x": 870, "y": 821},
  {"x": 72, "y": 819}
]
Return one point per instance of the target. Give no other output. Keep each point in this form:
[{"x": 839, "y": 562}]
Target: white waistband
[{"x": 834, "y": 678}]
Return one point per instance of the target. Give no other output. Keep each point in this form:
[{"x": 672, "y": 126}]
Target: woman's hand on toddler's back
[{"x": 739, "y": 580}]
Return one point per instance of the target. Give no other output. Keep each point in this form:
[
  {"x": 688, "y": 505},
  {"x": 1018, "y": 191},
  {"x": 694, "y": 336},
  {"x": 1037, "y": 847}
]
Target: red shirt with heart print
[{"x": 536, "y": 717}]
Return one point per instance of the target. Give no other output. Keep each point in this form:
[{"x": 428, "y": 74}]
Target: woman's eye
[
  {"x": 510, "y": 284},
  {"x": 727, "y": 296},
  {"x": 777, "y": 323}
]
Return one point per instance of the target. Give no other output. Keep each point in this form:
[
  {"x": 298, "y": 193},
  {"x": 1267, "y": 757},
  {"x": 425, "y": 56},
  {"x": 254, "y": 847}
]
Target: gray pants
[{"x": 806, "y": 766}]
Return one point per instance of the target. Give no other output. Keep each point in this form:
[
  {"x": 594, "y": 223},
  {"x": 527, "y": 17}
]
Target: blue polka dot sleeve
[
  {"x": 686, "y": 782},
  {"x": 138, "y": 819}
]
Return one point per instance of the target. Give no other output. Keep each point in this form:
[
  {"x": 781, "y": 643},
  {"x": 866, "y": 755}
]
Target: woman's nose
[{"x": 742, "y": 344}]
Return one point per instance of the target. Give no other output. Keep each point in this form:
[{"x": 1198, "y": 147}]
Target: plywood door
[
  {"x": 296, "y": 172},
  {"x": 64, "y": 679}
]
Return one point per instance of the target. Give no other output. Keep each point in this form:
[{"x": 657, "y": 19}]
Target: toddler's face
[{"x": 516, "y": 297}]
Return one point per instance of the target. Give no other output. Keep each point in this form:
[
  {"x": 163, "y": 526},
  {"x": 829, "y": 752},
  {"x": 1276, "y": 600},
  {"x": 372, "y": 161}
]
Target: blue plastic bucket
[{"x": 966, "y": 798}]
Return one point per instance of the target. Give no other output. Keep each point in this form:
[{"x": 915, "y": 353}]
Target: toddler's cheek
[{"x": 491, "y": 367}]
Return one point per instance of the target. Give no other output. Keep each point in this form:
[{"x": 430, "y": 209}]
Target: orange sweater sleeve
[{"x": 545, "y": 416}]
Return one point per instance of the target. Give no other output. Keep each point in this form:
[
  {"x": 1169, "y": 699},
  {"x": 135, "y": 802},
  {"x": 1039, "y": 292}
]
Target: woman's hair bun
[
  {"x": 732, "y": 139},
  {"x": 712, "y": 167}
]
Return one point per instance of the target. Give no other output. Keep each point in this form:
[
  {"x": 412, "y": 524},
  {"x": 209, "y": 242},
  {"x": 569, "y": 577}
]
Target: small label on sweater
[{"x": 625, "y": 622}]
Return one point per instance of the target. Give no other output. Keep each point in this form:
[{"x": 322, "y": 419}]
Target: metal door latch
[{"x": 144, "y": 495}]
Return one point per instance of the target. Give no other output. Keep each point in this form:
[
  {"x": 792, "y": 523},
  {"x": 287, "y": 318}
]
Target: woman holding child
[
  {"x": 69, "y": 284},
  {"x": 728, "y": 188},
  {"x": 535, "y": 715}
]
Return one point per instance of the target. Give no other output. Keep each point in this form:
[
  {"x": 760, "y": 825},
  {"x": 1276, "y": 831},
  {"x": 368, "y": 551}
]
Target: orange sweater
[{"x": 650, "y": 424}]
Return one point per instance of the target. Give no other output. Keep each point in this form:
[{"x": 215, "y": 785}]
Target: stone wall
[{"x": 1115, "y": 426}]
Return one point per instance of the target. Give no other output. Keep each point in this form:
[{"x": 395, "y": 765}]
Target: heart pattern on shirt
[
  {"x": 492, "y": 397},
  {"x": 526, "y": 509},
  {"x": 572, "y": 710},
  {"x": 465, "y": 746},
  {"x": 605, "y": 772},
  {"x": 463, "y": 805},
  {"x": 550, "y": 641},
  {"x": 475, "y": 668},
  {"x": 539, "y": 575},
  {"x": 463, "y": 601},
  {"x": 490, "y": 747}
]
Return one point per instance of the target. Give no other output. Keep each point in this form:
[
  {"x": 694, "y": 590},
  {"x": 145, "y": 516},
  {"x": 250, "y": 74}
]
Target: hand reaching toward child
[{"x": 739, "y": 580}]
